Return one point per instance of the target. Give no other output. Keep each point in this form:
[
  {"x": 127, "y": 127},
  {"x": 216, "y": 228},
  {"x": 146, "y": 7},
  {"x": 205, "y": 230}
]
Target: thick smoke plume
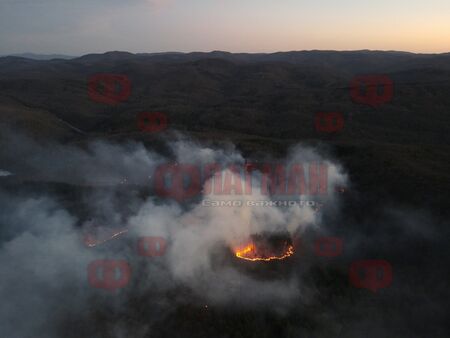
[{"x": 44, "y": 285}]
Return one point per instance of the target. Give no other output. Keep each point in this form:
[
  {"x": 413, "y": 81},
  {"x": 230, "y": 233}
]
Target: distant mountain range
[
  {"x": 261, "y": 102},
  {"x": 293, "y": 56},
  {"x": 42, "y": 56}
]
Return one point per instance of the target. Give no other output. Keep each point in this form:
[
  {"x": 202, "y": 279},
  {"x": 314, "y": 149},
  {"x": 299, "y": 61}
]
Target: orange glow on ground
[{"x": 252, "y": 253}]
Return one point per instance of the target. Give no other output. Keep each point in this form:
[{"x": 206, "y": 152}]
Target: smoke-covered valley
[{"x": 83, "y": 189}]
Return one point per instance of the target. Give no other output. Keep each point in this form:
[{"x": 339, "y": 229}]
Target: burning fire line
[
  {"x": 250, "y": 251},
  {"x": 92, "y": 242}
]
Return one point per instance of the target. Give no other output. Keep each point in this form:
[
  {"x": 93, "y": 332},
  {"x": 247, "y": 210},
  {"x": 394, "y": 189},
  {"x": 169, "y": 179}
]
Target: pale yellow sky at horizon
[{"x": 75, "y": 28}]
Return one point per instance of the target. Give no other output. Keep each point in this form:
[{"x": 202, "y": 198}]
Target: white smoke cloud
[
  {"x": 44, "y": 261},
  {"x": 5, "y": 173}
]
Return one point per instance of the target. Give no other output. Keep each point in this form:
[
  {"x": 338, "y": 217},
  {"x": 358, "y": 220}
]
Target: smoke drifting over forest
[{"x": 108, "y": 229}]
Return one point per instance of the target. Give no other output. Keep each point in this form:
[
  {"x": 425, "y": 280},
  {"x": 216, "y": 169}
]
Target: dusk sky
[{"x": 77, "y": 27}]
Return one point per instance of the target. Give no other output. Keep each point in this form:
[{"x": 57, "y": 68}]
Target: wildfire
[
  {"x": 92, "y": 241},
  {"x": 253, "y": 253}
]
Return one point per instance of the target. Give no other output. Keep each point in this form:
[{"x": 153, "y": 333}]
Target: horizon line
[{"x": 19, "y": 54}]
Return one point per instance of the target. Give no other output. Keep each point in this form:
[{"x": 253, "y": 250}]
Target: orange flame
[
  {"x": 252, "y": 253},
  {"x": 92, "y": 241}
]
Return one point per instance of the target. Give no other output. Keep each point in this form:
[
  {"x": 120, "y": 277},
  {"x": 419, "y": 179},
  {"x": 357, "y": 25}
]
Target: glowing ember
[{"x": 253, "y": 252}]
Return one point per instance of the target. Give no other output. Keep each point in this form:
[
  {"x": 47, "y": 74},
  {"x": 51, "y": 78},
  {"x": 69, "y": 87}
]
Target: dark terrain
[
  {"x": 397, "y": 156},
  {"x": 260, "y": 102}
]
